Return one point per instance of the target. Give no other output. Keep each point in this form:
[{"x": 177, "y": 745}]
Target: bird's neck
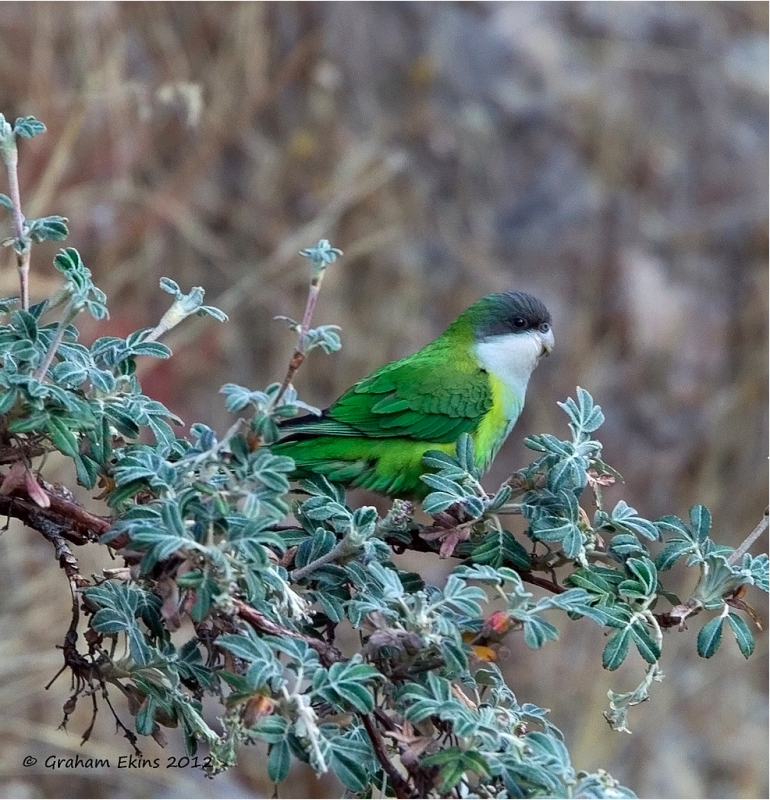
[{"x": 510, "y": 358}]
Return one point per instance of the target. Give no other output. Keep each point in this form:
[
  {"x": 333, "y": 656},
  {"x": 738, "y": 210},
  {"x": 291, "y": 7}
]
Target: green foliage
[
  {"x": 28, "y": 127},
  {"x": 203, "y": 523},
  {"x": 321, "y": 255},
  {"x": 190, "y": 303}
]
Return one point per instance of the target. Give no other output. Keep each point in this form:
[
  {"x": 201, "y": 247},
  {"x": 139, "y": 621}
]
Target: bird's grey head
[
  {"x": 514, "y": 314},
  {"x": 512, "y": 331}
]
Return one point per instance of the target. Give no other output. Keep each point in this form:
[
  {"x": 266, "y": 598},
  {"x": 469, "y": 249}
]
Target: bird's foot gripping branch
[{"x": 223, "y": 595}]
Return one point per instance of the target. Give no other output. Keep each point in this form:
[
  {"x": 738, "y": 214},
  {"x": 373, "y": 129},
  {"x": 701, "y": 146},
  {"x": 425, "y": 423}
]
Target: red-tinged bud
[{"x": 500, "y": 622}]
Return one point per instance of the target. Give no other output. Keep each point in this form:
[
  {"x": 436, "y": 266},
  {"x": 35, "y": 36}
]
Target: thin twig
[
  {"x": 739, "y": 552},
  {"x": 12, "y": 163},
  {"x": 295, "y": 362},
  {"x": 509, "y": 509},
  {"x": 342, "y": 549},
  {"x": 543, "y": 583},
  {"x": 68, "y": 315},
  {"x": 127, "y": 733},
  {"x": 11, "y": 159},
  {"x": 298, "y": 357}
]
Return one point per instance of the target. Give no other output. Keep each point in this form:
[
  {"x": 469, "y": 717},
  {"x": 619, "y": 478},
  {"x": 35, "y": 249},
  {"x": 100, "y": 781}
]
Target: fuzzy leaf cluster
[
  {"x": 58, "y": 394},
  {"x": 213, "y": 533}
]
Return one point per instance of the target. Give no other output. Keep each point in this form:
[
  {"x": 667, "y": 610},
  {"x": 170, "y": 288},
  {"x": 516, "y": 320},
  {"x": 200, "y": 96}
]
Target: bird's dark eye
[
  {"x": 519, "y": 323},
  {"x": 544, "y": 327}
]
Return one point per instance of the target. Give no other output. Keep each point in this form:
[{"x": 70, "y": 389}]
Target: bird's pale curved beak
[{"x": 548, "y": 342}]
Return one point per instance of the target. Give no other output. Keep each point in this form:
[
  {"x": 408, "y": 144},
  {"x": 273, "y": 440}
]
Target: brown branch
[
  {"x": 40, "y": 505},
  {"x": 400, "y": 785},
  {"x": 33, "y": 516},
  {"x": 78, "y": 516},
  {"x": 327, "y": 653},
  {"x": 295, "y": 363},
  {"x": 19, "y": 450},
  {"x": 670, "y": 619},
  {"x": 74, "y": 523},
  {"x": 536, "y": 580}
]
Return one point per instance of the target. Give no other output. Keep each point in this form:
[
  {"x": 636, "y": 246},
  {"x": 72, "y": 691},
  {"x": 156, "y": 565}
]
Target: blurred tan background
[{"x": 611, "y": 158}]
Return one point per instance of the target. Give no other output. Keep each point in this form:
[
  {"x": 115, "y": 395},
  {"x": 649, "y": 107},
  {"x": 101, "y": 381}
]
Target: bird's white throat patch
[{"x": 511, "y": 357}]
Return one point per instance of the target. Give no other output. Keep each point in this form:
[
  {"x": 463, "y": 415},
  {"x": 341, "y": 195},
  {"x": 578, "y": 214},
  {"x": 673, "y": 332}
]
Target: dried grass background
[{"x": 611, "y": 158}]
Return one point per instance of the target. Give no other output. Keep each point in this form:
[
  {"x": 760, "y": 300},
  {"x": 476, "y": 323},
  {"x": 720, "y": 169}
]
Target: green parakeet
[{"x": 471, "y": 379}]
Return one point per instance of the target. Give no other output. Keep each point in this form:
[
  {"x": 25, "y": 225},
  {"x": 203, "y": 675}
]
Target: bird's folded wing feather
[{"x": 414, "y": 398}]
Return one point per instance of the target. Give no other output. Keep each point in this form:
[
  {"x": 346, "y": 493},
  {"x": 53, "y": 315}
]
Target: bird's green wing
[{"x": 429, "y": 396}]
